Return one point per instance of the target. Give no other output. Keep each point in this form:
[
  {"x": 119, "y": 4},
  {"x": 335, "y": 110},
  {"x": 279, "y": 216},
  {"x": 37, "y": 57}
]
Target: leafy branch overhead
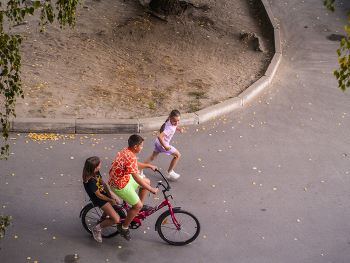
[
  {"x": 343, "y": 73},
  {"x": 4, "y": 223},
  {"x": 62, "y": 11}
]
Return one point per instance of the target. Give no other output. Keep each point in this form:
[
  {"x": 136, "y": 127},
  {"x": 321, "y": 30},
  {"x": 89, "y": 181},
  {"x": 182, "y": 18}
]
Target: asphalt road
[{"x": 269, "y": 184}]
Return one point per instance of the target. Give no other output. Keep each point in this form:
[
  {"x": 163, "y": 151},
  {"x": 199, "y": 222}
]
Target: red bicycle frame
[{"x": 143, "y": 215}]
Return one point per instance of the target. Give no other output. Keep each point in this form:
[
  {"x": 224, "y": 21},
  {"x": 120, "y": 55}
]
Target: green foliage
[
  {"x": 343, "y": 73},
  {"x": 195, "y": 105},
  {"x": 198, "y": 94},
  {"x": 10, "y": 85},
  {"x": 329, "y": 5},
  {"x": 4, "y": 223},
  {"x": 62, "y": 11}
]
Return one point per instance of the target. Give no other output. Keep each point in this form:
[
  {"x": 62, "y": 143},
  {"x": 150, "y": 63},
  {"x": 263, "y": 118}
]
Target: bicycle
[{"x": 175, "y": 226}]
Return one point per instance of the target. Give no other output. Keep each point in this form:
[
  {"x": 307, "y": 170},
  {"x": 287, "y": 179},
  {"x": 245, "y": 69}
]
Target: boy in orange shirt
[{"x": 124, "y": 179}]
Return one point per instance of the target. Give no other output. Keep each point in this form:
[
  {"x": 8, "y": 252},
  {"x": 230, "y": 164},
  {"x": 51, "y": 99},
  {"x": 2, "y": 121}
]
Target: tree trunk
[{"x": 165, "y": 7}]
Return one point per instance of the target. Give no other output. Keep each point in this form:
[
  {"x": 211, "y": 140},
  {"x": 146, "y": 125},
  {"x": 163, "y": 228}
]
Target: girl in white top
[{"x": 161, "y": 145}]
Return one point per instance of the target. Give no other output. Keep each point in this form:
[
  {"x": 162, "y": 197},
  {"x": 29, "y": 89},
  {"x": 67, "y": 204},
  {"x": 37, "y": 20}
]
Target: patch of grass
[
  {"x": 198, "y": 94},
  {"x": 215, "y": 102},
  {"x": 199, "y": 83},
  {"x": 151, "y": 105},
  {"x": 159, "y": 94},
  {"x": 195, "y": 106},
  {"x": 42, "y": 112},
  {"x": 132, "y": 117}
]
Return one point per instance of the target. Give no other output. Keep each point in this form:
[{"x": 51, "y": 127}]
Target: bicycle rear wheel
[
  {"x": 188, "y": 231},
  {"x": 90, "y": 217}
]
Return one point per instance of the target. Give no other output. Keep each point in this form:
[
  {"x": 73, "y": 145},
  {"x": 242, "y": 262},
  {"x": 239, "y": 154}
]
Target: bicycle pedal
[{"x": 134, "y": 225}]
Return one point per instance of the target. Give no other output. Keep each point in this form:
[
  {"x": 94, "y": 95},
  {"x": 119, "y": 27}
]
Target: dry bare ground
[{"x": 120, "y": 62}]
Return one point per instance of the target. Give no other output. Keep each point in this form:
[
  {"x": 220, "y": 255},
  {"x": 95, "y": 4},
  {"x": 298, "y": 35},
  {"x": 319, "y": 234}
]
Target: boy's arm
[
  {"x": 144, "y": 165},
  {"x": 142, "y": 183}
]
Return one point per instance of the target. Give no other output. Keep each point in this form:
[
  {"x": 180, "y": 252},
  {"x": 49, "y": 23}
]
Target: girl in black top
[{"x": 99, "y": 194}]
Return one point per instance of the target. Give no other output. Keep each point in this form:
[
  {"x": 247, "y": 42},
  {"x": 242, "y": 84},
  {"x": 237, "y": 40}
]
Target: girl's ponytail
[{"x": 163, "y": 126}]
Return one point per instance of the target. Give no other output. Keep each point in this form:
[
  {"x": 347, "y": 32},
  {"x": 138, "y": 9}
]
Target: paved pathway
[{"x": 269, "y": 184}]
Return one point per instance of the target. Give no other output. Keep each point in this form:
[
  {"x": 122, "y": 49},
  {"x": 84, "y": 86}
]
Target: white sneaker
[
  {"x": 172, "y": 175},
  {"x": 142, "y": 174},
  {"x": 97, "y": 234}
]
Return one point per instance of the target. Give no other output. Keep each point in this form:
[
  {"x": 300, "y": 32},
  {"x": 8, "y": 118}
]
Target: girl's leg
[
  {"x": 113, "y": 216},
  {"x": 150, "y": 159},
  {"x": 173, "y": 162},
  {"x": 113, "y": 219}
]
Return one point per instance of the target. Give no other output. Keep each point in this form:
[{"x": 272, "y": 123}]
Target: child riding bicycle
[
  {"x": 100, "y": 195},
  {"x": 124, "y": 179}
]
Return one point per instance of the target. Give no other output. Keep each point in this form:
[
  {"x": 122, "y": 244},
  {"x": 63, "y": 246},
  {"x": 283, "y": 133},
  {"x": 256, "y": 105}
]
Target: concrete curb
[
  {"x": 81, "y": 126},
  {"x": 106, "y": 126},
  {"x": 43, "y": 125}
]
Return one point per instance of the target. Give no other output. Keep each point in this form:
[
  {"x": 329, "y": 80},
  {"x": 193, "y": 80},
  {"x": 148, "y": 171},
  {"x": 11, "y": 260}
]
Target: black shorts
[{"x": 99, "y": 202}]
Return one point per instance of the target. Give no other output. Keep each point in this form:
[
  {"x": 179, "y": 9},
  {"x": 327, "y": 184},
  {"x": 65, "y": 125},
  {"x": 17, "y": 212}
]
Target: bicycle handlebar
[{"x": 160, "y": 183}]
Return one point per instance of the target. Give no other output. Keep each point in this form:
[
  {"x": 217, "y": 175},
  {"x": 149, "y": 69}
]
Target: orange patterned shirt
[{"x": 123, "y": 165}]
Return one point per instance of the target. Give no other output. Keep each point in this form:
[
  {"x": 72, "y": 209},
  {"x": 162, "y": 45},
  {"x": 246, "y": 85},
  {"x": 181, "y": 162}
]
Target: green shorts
[{"x": 128, "y": 193}]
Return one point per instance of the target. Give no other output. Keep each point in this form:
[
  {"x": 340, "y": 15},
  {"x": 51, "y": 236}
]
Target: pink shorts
[{"x": 160, "y": 149}]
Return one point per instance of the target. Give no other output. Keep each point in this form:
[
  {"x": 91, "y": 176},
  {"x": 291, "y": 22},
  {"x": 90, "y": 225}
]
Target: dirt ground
[{"x": 120, "y": 62}]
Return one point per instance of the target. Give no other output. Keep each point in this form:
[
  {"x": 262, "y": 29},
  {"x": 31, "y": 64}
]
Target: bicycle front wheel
[
  {"x": 187, "y": 231},
  {"x": 90, "y": 217}
]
